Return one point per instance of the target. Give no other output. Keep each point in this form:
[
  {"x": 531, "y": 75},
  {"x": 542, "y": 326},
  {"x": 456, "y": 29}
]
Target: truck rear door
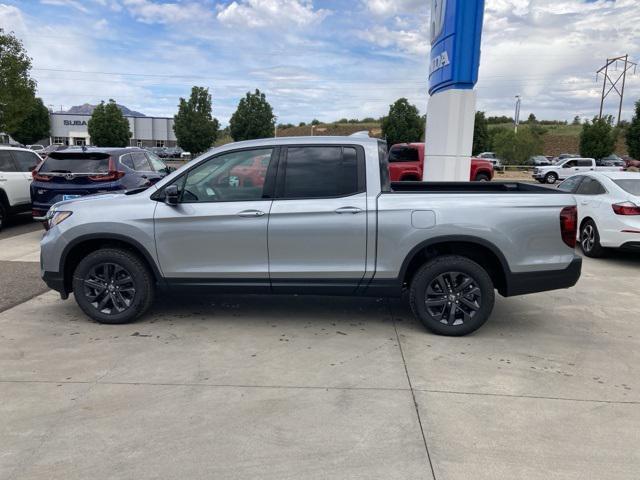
[{"x": 317, "y": 233}]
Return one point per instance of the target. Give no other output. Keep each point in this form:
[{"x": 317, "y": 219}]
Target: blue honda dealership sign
[{"x": 456, "y": 30}]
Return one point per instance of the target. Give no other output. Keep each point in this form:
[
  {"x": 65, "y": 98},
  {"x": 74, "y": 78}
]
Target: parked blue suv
[{"x": 74, "y": 172}]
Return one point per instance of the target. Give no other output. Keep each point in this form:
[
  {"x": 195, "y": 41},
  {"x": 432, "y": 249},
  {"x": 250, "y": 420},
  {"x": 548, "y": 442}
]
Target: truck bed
[{"x": 470, "y": 187}]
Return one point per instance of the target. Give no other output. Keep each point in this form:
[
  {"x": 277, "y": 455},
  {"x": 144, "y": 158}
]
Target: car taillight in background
[
  {"x": 569, "y": 225},
  {"x": 626, "y": 208},
  {"x": 40, "y": 177},
  {"x": 112, "y": 175}
]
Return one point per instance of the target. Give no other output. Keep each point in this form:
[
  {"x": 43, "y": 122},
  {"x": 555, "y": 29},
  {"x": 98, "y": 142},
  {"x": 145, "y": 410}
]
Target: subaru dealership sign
[{"x": 456, "y": 28}]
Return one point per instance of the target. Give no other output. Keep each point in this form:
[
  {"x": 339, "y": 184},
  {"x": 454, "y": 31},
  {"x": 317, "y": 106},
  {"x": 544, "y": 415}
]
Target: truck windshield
[{"x": 76, "y": 163}]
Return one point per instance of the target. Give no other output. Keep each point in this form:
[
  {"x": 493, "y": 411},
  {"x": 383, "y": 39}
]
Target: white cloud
[
  {"x": 66, "y": 3},
  {"x": 393, "y": 7},
  {"x": 149, "y": 11},
  {"x": 263, "y": 13}
]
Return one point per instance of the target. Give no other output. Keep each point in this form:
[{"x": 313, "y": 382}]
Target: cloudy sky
[{"x": 324, "y": 59}]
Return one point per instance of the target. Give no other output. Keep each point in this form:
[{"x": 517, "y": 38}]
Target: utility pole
[
  {"x": 608, "y": 79},
  {"x": 516, "y": 117}
]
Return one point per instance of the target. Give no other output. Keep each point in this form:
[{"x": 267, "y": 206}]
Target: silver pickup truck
[{"x": 312, "y": 216}]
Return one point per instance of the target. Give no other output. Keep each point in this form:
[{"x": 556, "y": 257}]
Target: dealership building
[{"x": 71, "y": 129}]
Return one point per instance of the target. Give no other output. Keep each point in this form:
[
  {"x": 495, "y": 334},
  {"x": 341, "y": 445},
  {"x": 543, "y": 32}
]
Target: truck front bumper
[{"x": 532, "y": 282}]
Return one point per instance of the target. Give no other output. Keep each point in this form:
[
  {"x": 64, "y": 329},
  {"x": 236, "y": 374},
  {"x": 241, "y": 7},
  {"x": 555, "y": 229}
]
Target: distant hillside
[{"x": 87, "y": 109}]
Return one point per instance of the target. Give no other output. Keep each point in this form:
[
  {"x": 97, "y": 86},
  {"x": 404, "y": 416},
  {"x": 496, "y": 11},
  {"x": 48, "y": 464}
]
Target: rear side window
[
  {"x": 127, "y": 161},
  {"x": 71, "y": 162},
  {"x": 26, "y": 161},
  {"x": 403, "y": 154},
  {"x": 630, "y": 185},
  {"x": 6, "y": 162},
  {"x": 590, "y": 186},
  {"x": 140, "y": 162},
  {"x": 570, "y": 184},
  {"x": 321, "y": 172},
  {"x": 585, "y": 163}
]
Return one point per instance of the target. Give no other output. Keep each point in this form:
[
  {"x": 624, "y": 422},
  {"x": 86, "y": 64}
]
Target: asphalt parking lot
[{"x": 317, "y": 388}]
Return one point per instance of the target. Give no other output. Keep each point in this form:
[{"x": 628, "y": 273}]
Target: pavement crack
[{"x": 413, "y": 394}]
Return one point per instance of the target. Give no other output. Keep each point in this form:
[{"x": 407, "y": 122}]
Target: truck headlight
[{"x": 56, "y": 217}]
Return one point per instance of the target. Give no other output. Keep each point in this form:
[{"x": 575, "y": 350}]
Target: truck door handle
[
  {"x": 251, "y": 213},
  {"x": 353, "y": 210}
]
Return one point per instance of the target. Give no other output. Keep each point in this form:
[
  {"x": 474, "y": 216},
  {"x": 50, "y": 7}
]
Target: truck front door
[
  {"x": 318, "y": 223},
  {"x": 217, "y": 233}
]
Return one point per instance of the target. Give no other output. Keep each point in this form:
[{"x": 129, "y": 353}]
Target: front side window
[
  {"x": 570, "y": 163},
  {"x": 321, "y": 172},
  {"x": 26, "y": 161},
  {"x": 156, "y": 164},
  {"x": 234, "y": 176}
]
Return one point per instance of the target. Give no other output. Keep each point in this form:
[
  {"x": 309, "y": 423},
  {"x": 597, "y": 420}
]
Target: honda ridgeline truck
[{"x": 321, "y": 218}]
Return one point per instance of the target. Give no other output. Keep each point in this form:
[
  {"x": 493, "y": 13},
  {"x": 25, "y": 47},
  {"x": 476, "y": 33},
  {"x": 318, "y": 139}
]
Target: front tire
[
  {"x": 483, "y": 177},
  {"x": 590, "y": 240},
  {"x": 113, "y": 286},
  {"x": 551, "y": 178},
  {"x": 452, "y": 295}
]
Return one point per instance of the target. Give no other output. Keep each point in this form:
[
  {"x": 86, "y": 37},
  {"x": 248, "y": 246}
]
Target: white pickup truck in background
[{"x": 568, "y": 167}]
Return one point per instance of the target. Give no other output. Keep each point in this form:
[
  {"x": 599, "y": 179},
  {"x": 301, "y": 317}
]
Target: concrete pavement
[{"x": 316, "y": 388}]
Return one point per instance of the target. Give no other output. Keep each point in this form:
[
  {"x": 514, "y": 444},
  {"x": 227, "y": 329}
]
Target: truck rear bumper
[{"x": 532, "y": 282}]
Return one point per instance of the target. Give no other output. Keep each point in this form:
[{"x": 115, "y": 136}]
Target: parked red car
[{"x": 406, "y": 161}]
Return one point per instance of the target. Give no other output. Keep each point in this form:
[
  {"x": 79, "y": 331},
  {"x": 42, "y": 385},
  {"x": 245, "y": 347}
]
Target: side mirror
[{"x": 171, "y": 195}]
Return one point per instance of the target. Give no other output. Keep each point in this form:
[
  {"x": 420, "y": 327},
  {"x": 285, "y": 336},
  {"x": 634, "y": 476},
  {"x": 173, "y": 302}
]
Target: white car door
[
  {"x": 26, "y": 162},
  {"x": 589, "y": 197},
  {"x": 12, "y": 181}
]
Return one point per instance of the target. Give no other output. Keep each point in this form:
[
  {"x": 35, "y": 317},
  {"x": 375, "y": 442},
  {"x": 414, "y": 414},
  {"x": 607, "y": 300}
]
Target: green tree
[
  {"x": 34, "y": 125},
  {"x": 195, "y": 128},
  {"x": 253, "y": 118},
  {"x": 17, "y": 88},
  {"x": 576, "y": 120},
  {"x": 516, "y": 148},
  {"x": 532, "y": 118},
  {"x": 598, "y": 138},
  {"x": 633, "y": 134},
  {"x": 480, "y": 134},
  {"x": 315, "y": 121},
  {"x": 108, "y": 127},
  {"x": 403, "y": 123}
]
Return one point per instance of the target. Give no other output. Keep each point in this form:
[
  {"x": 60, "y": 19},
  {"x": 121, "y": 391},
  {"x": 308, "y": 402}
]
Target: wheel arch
[
  {"x": 481, "y": 251},
  {"x": 82, "y": 246}
]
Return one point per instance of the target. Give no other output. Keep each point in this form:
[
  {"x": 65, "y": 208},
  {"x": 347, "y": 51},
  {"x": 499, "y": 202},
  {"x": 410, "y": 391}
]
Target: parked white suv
[
  {"x": 15, "y": 179},
  {"x": 566, "y": 168}
]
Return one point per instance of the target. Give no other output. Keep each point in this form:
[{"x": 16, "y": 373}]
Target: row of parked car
[
  {"x": 612, "y": 160},
  {"x": 29, "y": 182}
]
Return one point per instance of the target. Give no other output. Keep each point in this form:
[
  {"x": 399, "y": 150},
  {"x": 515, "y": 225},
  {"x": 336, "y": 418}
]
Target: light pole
[
  {"x": 312, "y": 128},
  {"x": 275, "y": 124},
  {"x": 516, "y": 118}
]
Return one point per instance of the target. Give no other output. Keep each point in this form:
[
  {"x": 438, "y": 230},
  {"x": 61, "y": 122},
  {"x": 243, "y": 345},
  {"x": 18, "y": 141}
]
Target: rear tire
[
  {"x": 483, "y": 177},
  {"x": 550, "y": 178},
  {"x": 3, "y": 215},
  {"x": 590, "y": 240},
  {"x": 113, "y": 286},
  {"x": 452, "y": 295}
]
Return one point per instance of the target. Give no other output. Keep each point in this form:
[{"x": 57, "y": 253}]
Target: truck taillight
[
  {"x": 112, "y": 175},
  {"x": 626, "y": 208},
  {"x": 569, "y": 225}
]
